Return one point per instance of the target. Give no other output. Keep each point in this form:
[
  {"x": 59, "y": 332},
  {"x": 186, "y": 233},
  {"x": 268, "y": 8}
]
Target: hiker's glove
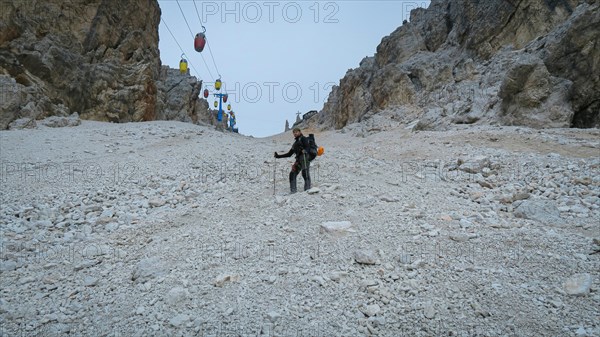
[{"x": 277, "y": 156}]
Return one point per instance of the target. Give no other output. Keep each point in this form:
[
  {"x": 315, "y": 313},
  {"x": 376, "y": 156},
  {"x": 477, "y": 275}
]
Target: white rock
[
  {"x": 313, "y": 190},
  {"x": 336, "y": 276},
  {"x": 429, "y": 311},
  {"x": 148, "y": 269},
  {"x": 221, "y": 279},
  {"x": 418, "y": 263},
  {"x": 44, "y": 224},
  {"x": 85, "y": 264},
  {"x": 107, "y": 213},
  {"x": 365, "y": 256},
  {"x": 177, "y": 295},
  {"x": 458, "y": 237},
  {"x": 581, "y": 332},
  {"x": 479, "y": 311},
  {"x": 156, "y": 202},
  {"x": 432, "y": 233},
  {"x": 427, "y": 227},
  {"x": 26, "y": 280},
  {"x": 112, "y": 226},
  {"x": 90, "y": 281},
  {"x": 464, "y": 223},
  {"x": 69, "y": 236},
  {"x": 388, "y": 198},
  {"x": 337, "y": 228},
  {"x": 279, "y": 200},
  {"x": 368, "y": 283},
  {"x": 370, "y": 310},
  {"x": 578, "y": 284},
  {"x": 87, "y": 230},
  {"x": 273, "y": 316},
  {"x": 7, "y": 266},
  {"x": 318, "y": 279},
  {"x": 539, "y": 210},
  {"x": 579, "y": 209},
  {"x": 179, "y": 320}
]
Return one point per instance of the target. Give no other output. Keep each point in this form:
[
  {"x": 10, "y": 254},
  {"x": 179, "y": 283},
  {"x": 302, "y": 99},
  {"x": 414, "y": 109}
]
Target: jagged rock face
[
  {"x": 353, "y": 97},
  {"x": 531, "y": 96},
  {"x": 573, "y": 52},
  {"x": 533, "y": 63},
  {"x": 99, "y": 58},
  {"x": 178, "y": 97},
  {"x": 122, "y": 49}
]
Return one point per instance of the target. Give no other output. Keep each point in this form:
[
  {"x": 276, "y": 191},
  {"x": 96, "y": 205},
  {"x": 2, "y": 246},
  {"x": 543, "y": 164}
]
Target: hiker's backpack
[{"x": 313, "y": 150}]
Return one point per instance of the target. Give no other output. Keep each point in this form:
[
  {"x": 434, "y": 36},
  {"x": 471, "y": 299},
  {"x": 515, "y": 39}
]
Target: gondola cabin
[{"x": 199, "y": 42}]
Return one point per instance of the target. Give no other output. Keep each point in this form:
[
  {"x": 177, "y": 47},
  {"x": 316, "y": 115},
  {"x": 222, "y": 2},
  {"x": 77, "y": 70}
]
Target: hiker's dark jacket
[{"x": 298, "y": 147}]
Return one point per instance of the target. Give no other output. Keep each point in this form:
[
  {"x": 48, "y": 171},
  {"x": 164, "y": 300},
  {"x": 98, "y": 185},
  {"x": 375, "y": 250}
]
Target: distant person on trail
[{"x": 302, "y": 164}]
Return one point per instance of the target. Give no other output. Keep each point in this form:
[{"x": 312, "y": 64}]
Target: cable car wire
[
  {"x": 184, "y": 19},
  {"x": 207, "y": 42},
  {"x": 198, "y": 13},
  {"x": 181, "y": 49},
  {"x": 213, "y": 58},
  {"x": 232, "y": 121}
]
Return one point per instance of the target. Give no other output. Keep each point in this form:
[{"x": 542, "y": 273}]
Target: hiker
[{"x": 302, "y": 163}]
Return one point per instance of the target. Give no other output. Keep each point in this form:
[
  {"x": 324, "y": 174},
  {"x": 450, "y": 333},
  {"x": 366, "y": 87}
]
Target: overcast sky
[{"x": 276, "y": 58}]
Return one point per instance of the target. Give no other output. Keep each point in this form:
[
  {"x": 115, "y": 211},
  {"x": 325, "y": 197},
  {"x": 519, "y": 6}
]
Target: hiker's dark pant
[{"x": 301, "y": 165}]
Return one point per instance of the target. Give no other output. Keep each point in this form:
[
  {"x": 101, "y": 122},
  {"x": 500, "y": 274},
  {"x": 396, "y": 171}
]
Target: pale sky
[{"x": 276, "y": 58}]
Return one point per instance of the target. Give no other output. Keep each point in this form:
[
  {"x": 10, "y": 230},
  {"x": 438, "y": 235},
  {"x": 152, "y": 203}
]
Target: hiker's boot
[
  {"x": 293, "y": 188},
  {"x": 306, "y": 176}
]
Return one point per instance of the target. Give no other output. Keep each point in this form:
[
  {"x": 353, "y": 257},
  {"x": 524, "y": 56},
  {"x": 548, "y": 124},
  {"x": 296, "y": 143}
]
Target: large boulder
[
  {"x": 572, "y": 51},
  {"x": 531, "y": 96}
]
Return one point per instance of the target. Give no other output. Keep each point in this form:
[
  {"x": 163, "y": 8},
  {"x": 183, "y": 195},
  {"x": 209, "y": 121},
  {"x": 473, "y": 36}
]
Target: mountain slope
[
  {"x": 532, "y": 63},
  {"x": 168, "y": 228}
]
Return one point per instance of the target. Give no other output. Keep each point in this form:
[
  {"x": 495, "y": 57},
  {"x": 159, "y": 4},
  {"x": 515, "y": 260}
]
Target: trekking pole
[{"x": 274, "y": 174}]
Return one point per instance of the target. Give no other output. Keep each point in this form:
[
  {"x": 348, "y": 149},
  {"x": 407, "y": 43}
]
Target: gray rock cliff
[
  {"x": 98, "y": 58},
  {"x": 534, "y": 63}
]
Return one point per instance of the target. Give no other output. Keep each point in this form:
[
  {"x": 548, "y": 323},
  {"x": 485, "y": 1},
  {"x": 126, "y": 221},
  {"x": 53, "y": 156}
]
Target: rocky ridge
[{"x": 531, "y": 63}]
